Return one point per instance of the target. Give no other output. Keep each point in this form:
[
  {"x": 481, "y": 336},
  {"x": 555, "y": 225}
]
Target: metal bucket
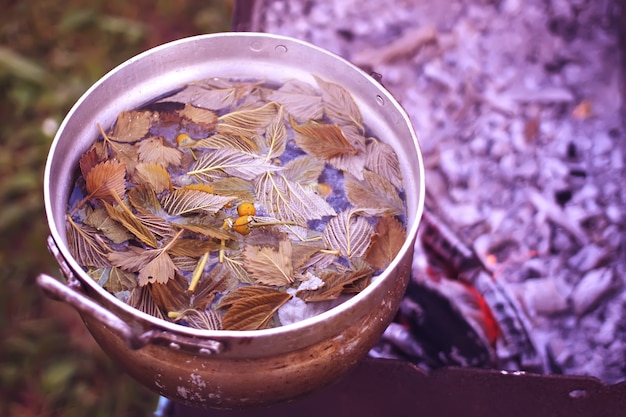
[{"x": 230, "y": 369}]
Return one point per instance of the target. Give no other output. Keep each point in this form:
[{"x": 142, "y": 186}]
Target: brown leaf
[
  {"x": 172, "y": 295},
  {"x": 154, "y": 174},
  {"x": 184, "y": 201},
  {"x": 349, "y": 233},
  {"x": 268, "y": 265},
  {"x": 105, "y": 179},
  {"x": 120, "y": 280},
  {"x": 89, "y": 160},
  {"x": 203, "y": 117},
  {"x": 339, "y": 105},
  {"x": 218, "y": 141},
  {"x": 386, "y": 243},
  {"x": 153, "y": 150},
  {"x": 193, "y": 247},
  {"x": 101, "y": 220},
  {"x": 300, "y": 100},
  {"x": 200, "y": 319},
  {"x": 141, "y": 299},
  {"x": 251, "y": 308},
  {"x": 214, "y": 94},
  {"x": 131, "y": 126},
  {"x": 290, "y": 201},
  {"x": 223, "y": 162},
  {"x": 304, "y": 169},
  {"x": 335, "y": 283},
  {"x": 383, "y": 160},
  {"x": 374, "y": 195},
  {"x": 248, "y": 123},
  {"x": 86, "y": 246},
  {"x": 122, "y": 214},
  {"x": 322, "y": 140}
]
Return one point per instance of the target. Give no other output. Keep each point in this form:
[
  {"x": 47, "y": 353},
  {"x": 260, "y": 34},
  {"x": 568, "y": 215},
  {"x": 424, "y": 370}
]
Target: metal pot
[{"x": 229, "y": 369}]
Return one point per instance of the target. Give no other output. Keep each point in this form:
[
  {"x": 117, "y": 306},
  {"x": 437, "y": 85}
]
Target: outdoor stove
[{"x": 517, "y": 299}]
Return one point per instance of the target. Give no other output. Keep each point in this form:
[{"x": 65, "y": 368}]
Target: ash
[{"x": 518, "y": 106}]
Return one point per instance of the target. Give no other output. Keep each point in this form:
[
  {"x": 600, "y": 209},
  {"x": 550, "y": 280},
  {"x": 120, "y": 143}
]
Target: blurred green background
[{"x": 51, "y": 52}]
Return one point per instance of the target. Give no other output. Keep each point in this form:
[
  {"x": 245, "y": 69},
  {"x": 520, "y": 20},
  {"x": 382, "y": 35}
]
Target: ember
[{"x": 516, "y": 104}]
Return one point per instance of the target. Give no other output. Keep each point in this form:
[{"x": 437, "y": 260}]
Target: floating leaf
[
  {"x": 141, "y": 299},
  {"x": 100, "y": 219},
  {"x": 122, "y": 214},
  {"x": 213, "y": 94},
  {"x": 239, "y": 188},
  {"x": 382, "y": 159},
  {"x": 335, "y": 284},
  {"x": 219, "y": 141},
  {"x": 203, "y": 117},
  {"x": 386, "y": 243},
  {"x": 184, "y": 201},
  {"x": 105, "y": 179},
  {"x": 172, "y": 295},
  {"x": 374, "y": 195},
  {"x": 349, "y": 233},
  {"x": 289, "y": 201},
  {"x": 222, "y": 162},
  {"x": 251, "y": 308},
  {"x": 247, "y": 123},
  {"x": 131, "y": 126},
  {"x": 339, "y": 105},
  {"x": 154, "y": 174},
  {"x": 274, "y": 141},
  {"x": 322, "y": 140},
  {"x": 268, "y": 265},
  {"x": 304, "y": 169},
  {"x": 153, "y": 150},
  {"x": 120, "y": 280},
  {"x": 299, "y": 99},
  {"x": 352, "y": 163},
  {"x": 85, "y": 245},
  {"x": 200, "y": 319},
  {"x": 193, "y": 247},
  {"x": 89, "y": 160}
]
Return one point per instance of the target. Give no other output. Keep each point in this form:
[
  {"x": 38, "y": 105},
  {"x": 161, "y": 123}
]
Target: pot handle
[
  {"x": 56, "y": 290},
  {"x": 73, "y": 294}
]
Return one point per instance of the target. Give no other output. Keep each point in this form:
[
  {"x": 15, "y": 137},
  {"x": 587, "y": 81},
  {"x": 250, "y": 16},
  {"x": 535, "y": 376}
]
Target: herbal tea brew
[{"x": 237, "y": 204}]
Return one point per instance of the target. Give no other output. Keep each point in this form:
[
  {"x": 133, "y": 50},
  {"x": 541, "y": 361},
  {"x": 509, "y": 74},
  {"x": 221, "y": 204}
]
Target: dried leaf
[
  {"x": 386, "y": 243},
  {"x": 222, "y": 162},
  {"x": 299, "y": 99},
  {"x": 105, "y": 179},
  {"x": 268, "y": 265},
  {"x": 171, "y": 296},
  {"x": 125, "y": 153},
  {"x": 193, "y": 247},
  {"x": 154, "y": 174},
  {"x": 218, "y": 141},
  {"x": 212, "y": 231},
  {"x": 374, "y": 195},
  {"x": 247, "y": 123},
  {"x": 200, "y": 319},
  {"x": 274, "y": 142},
  {"x": 349, "y": 233},
  {"x": 159, "y": 270},
  {"x": 120, "y": 280},
  {"x": 131, "y": 126},
  {"x": 89, "y": 160},
  {"x": 203, "y": 117},
  {"x": 185, "y": 201},
  {"x": 289, "y": 201},
  {"x": 339, "y": 105},
  {"x": 335, "y": 284},
  {"x": 322, "y": 140},
  {"x": 153, "y": 150},
  {"x": 213, "y": 94},
  {"x": 219, "y": 279},
  {"x": 141, "y": 299},
  {"x": 144, "y": 199},
  {"x": 251, "y": 308},
  {"x": 100, "y": 219},
  {"x": 86, "y": 246},
  {"x": 383, "y": 160},
  {"x": 352, "y": 163},
  {"x": 239, "y": 188},
  {"x": 304, "y": 169},
  {"x": 122, "y": 214}
]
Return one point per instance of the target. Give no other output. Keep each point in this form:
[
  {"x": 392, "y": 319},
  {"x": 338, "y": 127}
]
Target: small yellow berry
[
  {"x": 242, "y": 224},
  {"x": 246, "y": 209},
  {"x": 183, "y": 139}
]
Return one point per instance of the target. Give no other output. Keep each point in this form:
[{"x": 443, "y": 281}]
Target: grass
[{"x": 50, "y": 54}]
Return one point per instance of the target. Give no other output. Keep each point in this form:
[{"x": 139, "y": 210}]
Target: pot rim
[{"x": 155, "y": 322}]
